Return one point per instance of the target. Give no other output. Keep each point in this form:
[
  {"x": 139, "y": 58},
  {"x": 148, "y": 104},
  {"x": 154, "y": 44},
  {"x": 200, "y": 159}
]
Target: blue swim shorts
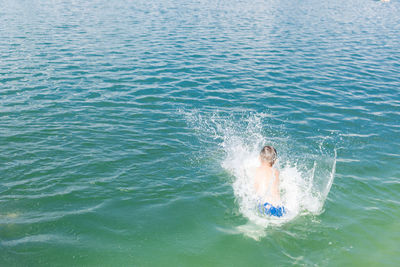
[{"x": 268, "y": 209}]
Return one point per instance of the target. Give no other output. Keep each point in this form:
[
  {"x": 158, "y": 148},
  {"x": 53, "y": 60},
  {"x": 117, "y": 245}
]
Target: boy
[{"x": 266, "y": 184}]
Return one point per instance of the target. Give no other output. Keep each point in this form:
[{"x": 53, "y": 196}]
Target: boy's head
[{"x": 268, "y": 154}]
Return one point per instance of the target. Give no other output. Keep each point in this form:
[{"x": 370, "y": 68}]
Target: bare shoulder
[{"x": 276, "y": 172}]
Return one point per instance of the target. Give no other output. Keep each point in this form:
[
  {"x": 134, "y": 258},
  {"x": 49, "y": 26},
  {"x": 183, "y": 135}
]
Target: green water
[{"x": 122, "y": 124}]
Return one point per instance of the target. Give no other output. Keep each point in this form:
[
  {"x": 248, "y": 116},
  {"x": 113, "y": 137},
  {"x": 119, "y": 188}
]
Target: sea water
[{"x": 129, "y": 131}]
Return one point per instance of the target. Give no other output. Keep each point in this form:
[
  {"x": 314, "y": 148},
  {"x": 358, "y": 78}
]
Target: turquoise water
[{"x": 127, "y": 129}]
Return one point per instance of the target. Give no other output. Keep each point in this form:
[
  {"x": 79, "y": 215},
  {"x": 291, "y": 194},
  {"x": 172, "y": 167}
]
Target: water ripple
[{"x": 94, "y": 140}]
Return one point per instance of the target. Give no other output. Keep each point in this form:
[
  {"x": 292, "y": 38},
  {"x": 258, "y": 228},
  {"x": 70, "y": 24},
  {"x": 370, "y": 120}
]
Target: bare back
[{"x": 266, "y": 184}]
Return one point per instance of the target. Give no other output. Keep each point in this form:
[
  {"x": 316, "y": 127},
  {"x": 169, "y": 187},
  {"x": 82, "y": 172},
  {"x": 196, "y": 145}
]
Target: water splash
[{"x": 306, "y": 176}]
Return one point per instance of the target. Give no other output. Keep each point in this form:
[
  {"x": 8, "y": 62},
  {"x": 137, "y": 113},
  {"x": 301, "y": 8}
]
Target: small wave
[
  {"x": 40, "y": 217},
  {"x": 44, "y": 238}
]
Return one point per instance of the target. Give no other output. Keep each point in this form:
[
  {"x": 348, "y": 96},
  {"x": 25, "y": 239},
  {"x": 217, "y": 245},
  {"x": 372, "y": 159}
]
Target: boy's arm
[{"x": 277, "y": 192}]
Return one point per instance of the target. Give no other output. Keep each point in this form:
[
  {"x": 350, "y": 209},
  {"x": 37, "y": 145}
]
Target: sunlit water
[{"x": 129, "y": 131}]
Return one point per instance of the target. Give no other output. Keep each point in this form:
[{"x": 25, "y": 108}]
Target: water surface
[{"x": 120, "y": 122}]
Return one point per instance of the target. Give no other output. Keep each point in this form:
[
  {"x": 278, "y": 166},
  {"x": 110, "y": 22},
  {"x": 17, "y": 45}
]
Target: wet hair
[{"x": 268, "y": 154}]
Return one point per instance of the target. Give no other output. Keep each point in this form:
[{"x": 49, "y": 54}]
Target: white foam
[{"x": 304, "y": 186}]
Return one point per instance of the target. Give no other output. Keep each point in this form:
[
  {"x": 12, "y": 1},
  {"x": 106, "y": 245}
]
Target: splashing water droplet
[{"x": 304, "y": 188}]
